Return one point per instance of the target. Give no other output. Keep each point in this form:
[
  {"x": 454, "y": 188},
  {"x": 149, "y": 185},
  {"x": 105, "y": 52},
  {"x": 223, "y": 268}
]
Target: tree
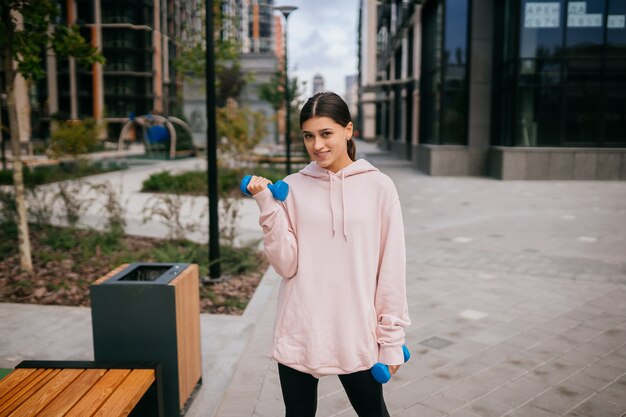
[
  {"x": 273, "y": 92},
  {"x": 24, "y": 39}
]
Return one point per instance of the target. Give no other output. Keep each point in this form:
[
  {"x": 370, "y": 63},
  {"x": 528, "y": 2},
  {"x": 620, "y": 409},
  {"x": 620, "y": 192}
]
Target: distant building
[
  {"x": 253, "y": 24},
  {"x": 352, "y": 94},
  {"x": 513, "y": 89},
  {"x": 318, "y": 84}
]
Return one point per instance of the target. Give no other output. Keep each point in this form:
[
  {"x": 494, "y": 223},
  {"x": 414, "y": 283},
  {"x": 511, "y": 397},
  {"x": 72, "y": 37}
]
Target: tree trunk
[{"x": 23, "y": 234}]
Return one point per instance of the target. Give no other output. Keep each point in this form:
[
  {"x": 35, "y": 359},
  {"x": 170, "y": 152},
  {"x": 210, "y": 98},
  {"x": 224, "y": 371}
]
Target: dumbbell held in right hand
[{"x": 279, "y": 190}]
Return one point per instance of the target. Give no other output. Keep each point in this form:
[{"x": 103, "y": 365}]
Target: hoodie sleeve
[
  {"x": 390, "y": 302},
  {"x": 279, "y": 239}
]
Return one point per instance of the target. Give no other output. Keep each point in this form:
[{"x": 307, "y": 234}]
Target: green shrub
[
  {"x": 195, "y": 182},
  {"x": 74, "y": 137},
  {"x": 66, "y": 170}
]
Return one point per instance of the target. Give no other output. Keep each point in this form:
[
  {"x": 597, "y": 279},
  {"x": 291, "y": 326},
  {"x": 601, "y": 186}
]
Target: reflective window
[
  {"x": 565, "y": 85},
  {"x": 616, "y": 29},
  {"x": 541, "y": 24},
  {"x": 615, "y": 116},
  {"x": 455, "y": 48},
  {"x": 585, "y": 28},
  {"x": 581, "y": 108},
  {"x": 444, "y": 72}
]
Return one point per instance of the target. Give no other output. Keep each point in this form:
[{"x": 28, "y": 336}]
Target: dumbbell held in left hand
[
  {"x": 279, "y": 190},
  {"x": 380, "y": 371}
]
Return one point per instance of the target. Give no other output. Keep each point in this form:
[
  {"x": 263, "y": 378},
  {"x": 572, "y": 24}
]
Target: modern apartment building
[
  {"x": 514, "y": 89},
  {"x": 137, "y": 39}
]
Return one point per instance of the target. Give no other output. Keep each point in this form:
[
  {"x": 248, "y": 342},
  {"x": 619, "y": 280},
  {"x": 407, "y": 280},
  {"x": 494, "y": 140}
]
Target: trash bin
[{"x": 151, "y": 312}]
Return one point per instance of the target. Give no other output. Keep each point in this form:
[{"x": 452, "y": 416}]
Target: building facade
[
  {"x": 318, "y": 84},
  {"x": 514, "y": 89},
  {"x": 138, "y": 40}
]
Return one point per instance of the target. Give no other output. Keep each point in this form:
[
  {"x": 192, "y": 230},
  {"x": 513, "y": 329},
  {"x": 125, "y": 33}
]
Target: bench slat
[
  {"x": 23, "y": 392},
  {"x": 15, "y": 378},
  {"x": 98, "y": 394},
  {"x": 128, "y": 394},
  {"x": 72, "y": 394},
  {"x": 40, "y": 399}
]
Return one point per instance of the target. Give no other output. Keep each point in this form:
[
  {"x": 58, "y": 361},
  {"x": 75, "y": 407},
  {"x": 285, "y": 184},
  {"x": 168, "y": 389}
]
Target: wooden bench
[{"x": 82, "y": 389}]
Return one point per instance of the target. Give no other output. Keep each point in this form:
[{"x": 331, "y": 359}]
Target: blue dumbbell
[
  {"x": 380, "y": 371},
  {"x": 279, "y": 190}
]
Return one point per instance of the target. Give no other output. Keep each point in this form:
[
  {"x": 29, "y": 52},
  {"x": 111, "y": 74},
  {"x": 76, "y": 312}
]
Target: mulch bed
[{"x": 62, "y": 281}]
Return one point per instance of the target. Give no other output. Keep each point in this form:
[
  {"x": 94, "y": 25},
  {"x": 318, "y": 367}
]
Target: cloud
[{"x": 322, "y": 39}]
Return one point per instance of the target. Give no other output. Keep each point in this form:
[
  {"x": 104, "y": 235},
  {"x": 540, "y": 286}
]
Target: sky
[{"x": 322, "y": 38}]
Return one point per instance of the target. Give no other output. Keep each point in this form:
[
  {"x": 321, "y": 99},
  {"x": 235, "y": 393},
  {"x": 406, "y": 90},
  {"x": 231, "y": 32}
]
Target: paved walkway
[{"x": 517, "y": 292}]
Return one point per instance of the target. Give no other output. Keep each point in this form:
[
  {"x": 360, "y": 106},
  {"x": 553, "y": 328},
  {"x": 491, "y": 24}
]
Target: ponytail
[{"x": 352, "y": 149}]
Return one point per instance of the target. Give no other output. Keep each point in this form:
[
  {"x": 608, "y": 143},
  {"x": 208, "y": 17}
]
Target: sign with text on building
[
  {"x": 542, "y": 15},
  {"x": 584, "y": 20},
  {"x": 616, "y": 21},
  {"x": 577, "y": 16}
]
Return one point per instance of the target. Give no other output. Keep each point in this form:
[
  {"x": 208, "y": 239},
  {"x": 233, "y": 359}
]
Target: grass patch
[
  {"x": 4, "y": 372},
  {"x": 195, "y": 182}
]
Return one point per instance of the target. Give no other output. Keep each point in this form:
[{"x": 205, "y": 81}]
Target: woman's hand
[
  {"x": 258, "y": 184},
  {"x": 393, "y": 369}
]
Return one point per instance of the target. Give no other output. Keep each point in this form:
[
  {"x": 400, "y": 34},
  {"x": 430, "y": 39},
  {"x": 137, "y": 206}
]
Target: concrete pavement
[{"x": 517, "y": 293}]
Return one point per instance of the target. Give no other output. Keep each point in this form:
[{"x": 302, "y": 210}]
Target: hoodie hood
[
  {"x": 359, "y": 166},
  {"x": 313, "y": 170}
]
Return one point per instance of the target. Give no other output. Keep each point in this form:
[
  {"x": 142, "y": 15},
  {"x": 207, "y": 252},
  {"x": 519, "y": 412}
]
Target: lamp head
[{"x": 285, "y": 10}]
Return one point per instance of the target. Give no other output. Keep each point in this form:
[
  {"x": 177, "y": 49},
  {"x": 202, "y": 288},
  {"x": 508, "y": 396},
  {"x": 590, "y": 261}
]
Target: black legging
[{"x": 300, "y": 393}]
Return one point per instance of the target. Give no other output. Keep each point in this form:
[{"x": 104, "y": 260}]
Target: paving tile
[
  {"x": 580, "y": 333},
  {"x": 554, "y": 371},
  {"x": 586, "y": 381},
  {"x": 529, "y": 338},
  {"x": 531, "y": 411},
  {"x": 529, "y": 387},
  {"x": 614, "y": 393},
  {"x": 562, "y": 398},
  {"x": 488, "y": 406},
  {"x": 408, "y": 395},
  {"x": 418, "y": 410},
  {"x": 596, "y": 407},
  {"x": 269, "y": 408},
  {"x": 604, "y": 372},
  {"x": 332, "y": 404},
  {"x": 475, "y": 387},
  {"x": 443, "y": 402}
]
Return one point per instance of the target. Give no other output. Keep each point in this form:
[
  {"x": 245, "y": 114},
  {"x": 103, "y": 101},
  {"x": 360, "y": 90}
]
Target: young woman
[{"x": 338, "y": 242}]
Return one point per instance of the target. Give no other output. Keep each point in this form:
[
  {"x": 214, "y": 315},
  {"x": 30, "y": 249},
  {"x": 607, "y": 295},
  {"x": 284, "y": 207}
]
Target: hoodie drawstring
[
  {"x": 332, "y": 211},
  {"x": 343, "y": 204}
]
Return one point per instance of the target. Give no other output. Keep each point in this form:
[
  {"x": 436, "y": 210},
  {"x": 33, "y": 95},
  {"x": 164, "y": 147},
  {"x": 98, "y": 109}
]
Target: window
[
  {"x": 444, "y": 72},
  {"x": 560, "y": 80}
]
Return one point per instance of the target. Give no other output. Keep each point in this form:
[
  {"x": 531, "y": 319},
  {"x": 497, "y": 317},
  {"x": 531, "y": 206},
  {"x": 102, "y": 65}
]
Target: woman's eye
[{"x": 325, "y": 134}]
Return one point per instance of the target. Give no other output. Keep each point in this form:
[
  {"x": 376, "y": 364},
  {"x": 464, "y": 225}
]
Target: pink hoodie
[{"x": 338, "y": 243}]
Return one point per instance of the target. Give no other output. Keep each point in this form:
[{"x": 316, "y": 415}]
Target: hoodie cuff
[
  {"x": 390, "y": 354},
  {"x": 264, "y": 199}
]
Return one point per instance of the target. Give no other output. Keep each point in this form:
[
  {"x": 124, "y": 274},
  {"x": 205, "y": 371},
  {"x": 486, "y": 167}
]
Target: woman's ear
[{"x": 349, "y": 127}]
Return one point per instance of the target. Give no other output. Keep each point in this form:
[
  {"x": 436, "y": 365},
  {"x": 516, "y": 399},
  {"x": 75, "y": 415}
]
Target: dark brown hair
[{"x": 328, "y": 104}]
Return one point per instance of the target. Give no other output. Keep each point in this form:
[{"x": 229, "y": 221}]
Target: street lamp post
[
  {"x": 214, "y": 247},
  {"x": 286, "y": 10}
]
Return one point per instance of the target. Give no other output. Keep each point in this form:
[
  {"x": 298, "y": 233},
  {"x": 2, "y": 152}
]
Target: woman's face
[{"x": 327, "y": 142}]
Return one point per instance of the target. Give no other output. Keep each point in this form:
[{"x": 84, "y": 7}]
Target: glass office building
[{"x": 515, "y": 89}]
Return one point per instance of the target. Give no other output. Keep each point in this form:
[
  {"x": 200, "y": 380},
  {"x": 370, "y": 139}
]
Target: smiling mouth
[{"x": 322, "y": 155}]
